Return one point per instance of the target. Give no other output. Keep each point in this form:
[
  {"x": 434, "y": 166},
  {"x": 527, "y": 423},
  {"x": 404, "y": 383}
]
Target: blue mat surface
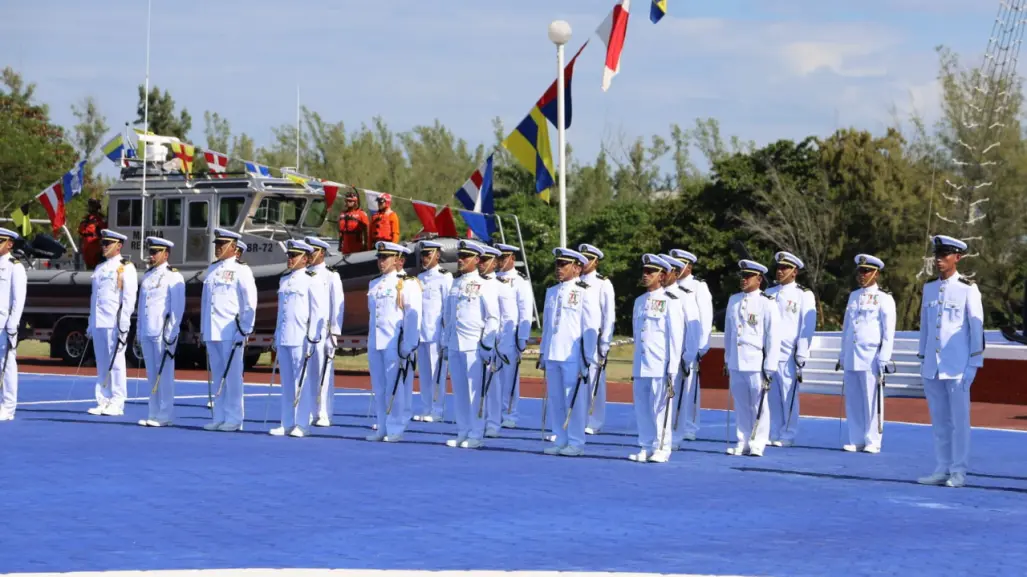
[{"x": 98, "y": 493}]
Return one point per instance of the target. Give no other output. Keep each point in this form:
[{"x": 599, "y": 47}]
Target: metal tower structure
[{"x": 981, "y": 129}]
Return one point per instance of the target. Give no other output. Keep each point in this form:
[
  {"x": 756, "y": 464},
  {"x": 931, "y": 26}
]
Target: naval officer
[
  {"x": 797, "y": 313},
  {"x": 12, "y": 302},
  {"x": 868, "y": 337},
  {"x": 509, "y": 375},
  {"x": 691, "y": 392},
  {"x": 601, "y": 291},
  {"x": 296, "y": 339},
  {"x": 690, "y": 329},
  {"x": 471, "y": 334},
  {"x": 113, "y": 299},
  {"x": 657, "y": 321},
  {"x": 505, "y": 353},
  {"x": 226, "y": 319},
  {"x": 751, "y": 352},
  {"x": 161, "y": 305},
  {"x": 394, "y": 304},
  {"x": 568, "y": 351},
  {"x": 951, "y": 350},
  {"x": 431, "y": 368},
  {"x": 327, "y": 306}
]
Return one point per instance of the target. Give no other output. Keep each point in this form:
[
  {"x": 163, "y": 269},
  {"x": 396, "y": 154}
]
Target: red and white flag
[
  {"x": 52, "y": 200},
  {"x": 331, "y": 189},
  {"x": 216, "y": 162},
  {"x": 613, "y": 31}
]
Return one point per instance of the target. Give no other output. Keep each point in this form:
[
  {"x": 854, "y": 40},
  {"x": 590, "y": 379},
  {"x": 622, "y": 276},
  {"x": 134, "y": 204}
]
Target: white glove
[
  {"x": 583, "y": 372},
  {"x": 603, "y": 351},
  {"x": 13, "y": 338}
]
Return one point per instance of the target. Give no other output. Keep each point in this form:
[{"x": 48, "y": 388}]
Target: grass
[{"x": 618, "y": 367}]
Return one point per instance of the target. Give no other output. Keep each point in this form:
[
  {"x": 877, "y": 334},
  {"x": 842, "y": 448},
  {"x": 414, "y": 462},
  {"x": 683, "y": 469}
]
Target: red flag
[
  {"x": 426, "y": 213},
  {"x": 52, "y": 200},
  {"x": 547, "y": 104},
  {"x": 613, "y": 31},
  {"x": 331, "y": 191},
  {"x": 444, "y": 223}
]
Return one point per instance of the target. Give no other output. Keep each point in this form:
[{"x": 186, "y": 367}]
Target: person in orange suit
[
  {"x": 89, "y": 234},
  {"x": 353, "y": 226},
  {"x": 384, "y": 223}
]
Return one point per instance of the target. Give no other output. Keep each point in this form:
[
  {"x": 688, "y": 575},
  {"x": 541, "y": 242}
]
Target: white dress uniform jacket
[
  {"x": 394, "y": 303},
  {"x": 506, "y": 348},
  {"x": 658, "y": 323},
  {"x": 951, "y": 328},
  {"x": 797, "y": 308},
  {"x": 161, "y": 305},
  {"x": 229, "y": 301},
  {"x": 525, "y": 313},
  {"x": 325, "y": 405},
  {"x": 868, "y": 336},
  {"x": 12, "y": 302},
  {"x": 705, "y": 301},
  {"x": 601, "y": 291},
  {"x": 295, "y": 328},
  {"x": 751, "y": 342}
]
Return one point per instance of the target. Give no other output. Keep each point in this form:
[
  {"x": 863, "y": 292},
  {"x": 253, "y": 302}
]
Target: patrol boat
[{"x": 186, "y": 209}]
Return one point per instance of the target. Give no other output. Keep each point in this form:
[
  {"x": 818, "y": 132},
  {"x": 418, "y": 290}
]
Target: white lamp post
[{"x": 560, "y": 34}]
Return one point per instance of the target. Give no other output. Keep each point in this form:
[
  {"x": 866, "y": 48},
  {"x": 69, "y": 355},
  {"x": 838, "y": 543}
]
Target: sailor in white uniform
[
  {"x": 226, "y": 319},
  {"x": 413, "y": 285},
  {"x": 797, "y": 311},
  {"x": 752, "y": 350},
  {"x": 471, "y": 334},
  {"x": 951, "y": 350},
  {"x": 657, "y": 320},
  {"x": 569, "y": 349},
  {"x": 431, "y": 367},
  {"x": 115, "y": 286},
  {"x": 161, "y": 305},
  {"x": 296, "y": 340},
  {"x": 690, "y": 329},
  {"x": 327, "y": 306},
  {"x": 12, "y": 302},
  {"x": 868, "y": 337},
  {"x": 600, "y": 290},
  {"x": 505, "y": 353},
  {"x": 510, "y": 375},
  {"x": 691, "y": 393},
  {"x": 394, "y": 304}
]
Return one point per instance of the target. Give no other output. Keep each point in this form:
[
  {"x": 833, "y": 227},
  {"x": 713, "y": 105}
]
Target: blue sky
[{"x": 767, "y": 69}]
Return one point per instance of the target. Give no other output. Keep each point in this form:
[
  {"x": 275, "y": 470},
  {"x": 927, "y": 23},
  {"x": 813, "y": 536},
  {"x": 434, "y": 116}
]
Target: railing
[{"x": 820, "y": 377}]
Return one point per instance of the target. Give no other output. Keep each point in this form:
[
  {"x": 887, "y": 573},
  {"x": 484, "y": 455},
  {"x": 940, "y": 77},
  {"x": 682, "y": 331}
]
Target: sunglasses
[
  {"x": 562, "y": 263},
  {"x": 292, "y": 255},
  {"x": 156, "y": 251},
  {"x": 747, "y": 275},
  {"x": 109, "y": 242}
]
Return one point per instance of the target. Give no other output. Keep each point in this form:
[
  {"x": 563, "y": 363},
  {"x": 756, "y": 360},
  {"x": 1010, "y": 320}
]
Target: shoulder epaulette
[
  {"x": 697, "y": 279},
  {"x": 884, "y": 291},
  {"x": 125, "y": 260},
  {"x": 966, "y": 281},
  {"x": 600, "y": 277},
  {"x": 582, "y": 284},
  {"x": 522, "y": 275},
  {"x": 672, "y": 295},
  {"x": 173, "y": 269},
  {"x": 444, "y": 271},
  {"x": 770, "y": 297},
  {"x": 504, "y": 279},
  {"x": 800, "y": 287},
  {"x": 15, "y": 261},
  {"x": 311, "y": 273},
  {"x": 685, "y": 290}
]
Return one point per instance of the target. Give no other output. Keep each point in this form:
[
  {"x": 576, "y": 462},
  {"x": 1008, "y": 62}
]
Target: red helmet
[{"x": 385, "y": 198}]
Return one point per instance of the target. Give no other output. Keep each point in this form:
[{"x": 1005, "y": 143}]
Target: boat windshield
[
  {"x": 279, "y": 209},
  {"x": 315, "y": 214}
]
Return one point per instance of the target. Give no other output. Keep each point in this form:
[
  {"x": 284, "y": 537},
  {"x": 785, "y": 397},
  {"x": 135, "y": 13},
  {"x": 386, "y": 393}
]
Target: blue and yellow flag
[
  {"x": 657, "y": 10},
  {"x": 114, "y": 149},
  {"x": 529, "y": 144}
]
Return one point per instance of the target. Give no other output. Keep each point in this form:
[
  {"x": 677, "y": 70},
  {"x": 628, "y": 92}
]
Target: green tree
[
  {"x": 33, "y": 151},
  {"x": 217, "y": 131},
  {"x": 161, "y": 117},
  {"x": 88, "y": 132}
]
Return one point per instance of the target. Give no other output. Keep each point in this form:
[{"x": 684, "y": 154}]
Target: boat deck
[{"x": 84, "y": 493}]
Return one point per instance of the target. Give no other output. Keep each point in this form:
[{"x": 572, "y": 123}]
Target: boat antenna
[
  {"x": 298, "y": 129},
  {"x": 146, "y": 131}
]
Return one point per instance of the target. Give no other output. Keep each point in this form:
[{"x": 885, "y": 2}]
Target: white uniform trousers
[
  {"x": 9, "y": 399},
  {"x": 861, "y": 408},
  {"x": 384, "y": 366},
  {"x": 655, "y": 419},
  {"x": 746, "y": 388},
  {"x": 561, "y": 376},
  {"x": 431, "y": 378},
  {"x": 494, "y": 399},
  {"x": 228, "y": 406},
  {"x": 783, "y": 385},
  {"x": 597, "y": 407},
  {"x": 314, "y": 382},
  {"x": 162, "y": 403},
  {"x": 510, "y": 379},
  {"x": 686, "y": 390},
  {"x": 949, "y": 406},
  {"x": 290, "y": 365},
  {"x": 104, "y": 343},
  {"x": 465, "y": 369}
]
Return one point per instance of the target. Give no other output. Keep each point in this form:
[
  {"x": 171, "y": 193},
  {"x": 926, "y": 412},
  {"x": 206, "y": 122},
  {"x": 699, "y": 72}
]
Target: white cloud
[{"x": 804, "y": 58}]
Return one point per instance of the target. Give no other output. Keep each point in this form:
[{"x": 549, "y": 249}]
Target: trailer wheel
[{"x": 71, "y": 343}]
